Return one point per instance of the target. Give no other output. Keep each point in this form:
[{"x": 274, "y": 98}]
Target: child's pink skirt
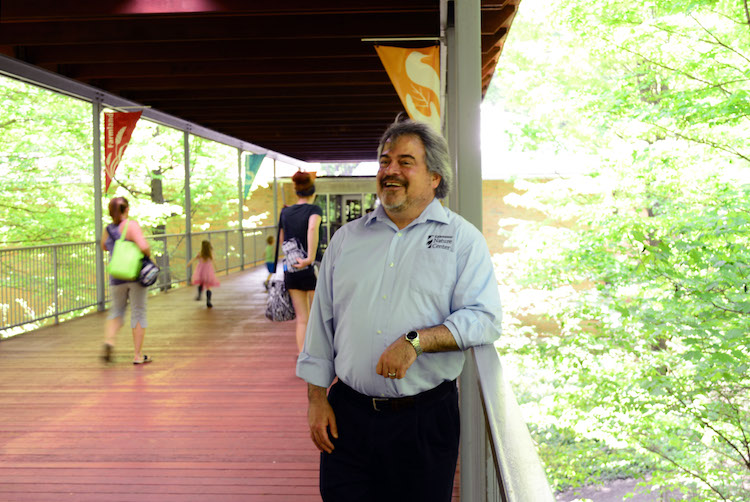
[{"x": 204, "y": 275}]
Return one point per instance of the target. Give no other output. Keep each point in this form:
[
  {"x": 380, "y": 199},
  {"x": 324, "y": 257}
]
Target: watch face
[{"x": 412, "y": 335}]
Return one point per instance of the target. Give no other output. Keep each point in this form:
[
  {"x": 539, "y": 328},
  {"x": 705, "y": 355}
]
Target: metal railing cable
[{"x": 54, "y": 282}]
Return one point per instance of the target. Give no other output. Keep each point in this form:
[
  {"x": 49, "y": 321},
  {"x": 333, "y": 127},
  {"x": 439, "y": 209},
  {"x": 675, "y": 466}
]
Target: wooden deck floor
[{"x": 218, "y": 416}]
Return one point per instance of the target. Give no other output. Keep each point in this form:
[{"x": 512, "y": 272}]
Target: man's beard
[{"x": 402, "y": 200}]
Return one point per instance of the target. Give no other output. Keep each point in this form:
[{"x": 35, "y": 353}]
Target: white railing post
[{"x": 473, "y": 436}]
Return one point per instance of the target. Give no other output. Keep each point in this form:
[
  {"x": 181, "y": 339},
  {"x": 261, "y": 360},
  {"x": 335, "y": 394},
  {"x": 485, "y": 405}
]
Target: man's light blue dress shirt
[{"x": 377, "y": 283}]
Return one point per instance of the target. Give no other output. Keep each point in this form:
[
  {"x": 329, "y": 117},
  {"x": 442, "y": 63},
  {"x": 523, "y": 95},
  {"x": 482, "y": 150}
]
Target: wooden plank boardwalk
[{"x": 218, "y": 416}]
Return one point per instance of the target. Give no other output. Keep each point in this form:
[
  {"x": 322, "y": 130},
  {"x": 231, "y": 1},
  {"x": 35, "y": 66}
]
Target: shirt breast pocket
[{"x": 434, "y": 272}]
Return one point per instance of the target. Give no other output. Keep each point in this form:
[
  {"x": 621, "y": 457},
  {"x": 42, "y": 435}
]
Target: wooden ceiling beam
[
  {"x": 35, "y": 10},
  {"x": 493, "y": 20},
  {"x": 234, "y": 27},
  {"x": 267, "y": 82},
  {"x": 319, "y": 120},
  {"x": 136, "y": 51},
  {"x": 344, "y": 103},
  {"x": 272, "y": 94},
  {"x": 245, "y": 66},
  {"x": 252, "y": 83},
  {"x": 293, "y": 75}
]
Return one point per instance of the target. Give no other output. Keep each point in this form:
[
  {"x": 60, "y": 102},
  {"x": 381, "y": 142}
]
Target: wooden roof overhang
[{"x": 292, "y": 76}]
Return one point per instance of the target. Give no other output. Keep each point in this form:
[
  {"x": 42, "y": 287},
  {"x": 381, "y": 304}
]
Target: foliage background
[
  {"x": 45, "y": 166},
  {"x": 46, "y": 175},
  {"x": 637, "y": 364}
]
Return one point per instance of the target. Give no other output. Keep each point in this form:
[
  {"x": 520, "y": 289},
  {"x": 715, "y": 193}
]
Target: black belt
[{"x": 395, "y": 403}]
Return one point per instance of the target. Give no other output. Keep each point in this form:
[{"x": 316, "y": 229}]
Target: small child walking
[
  {"x": 205, "y": 274},
  {"x": 270, "y": 259}
]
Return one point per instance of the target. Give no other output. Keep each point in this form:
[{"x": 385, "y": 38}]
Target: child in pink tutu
[{"x": 205, "y": 275}]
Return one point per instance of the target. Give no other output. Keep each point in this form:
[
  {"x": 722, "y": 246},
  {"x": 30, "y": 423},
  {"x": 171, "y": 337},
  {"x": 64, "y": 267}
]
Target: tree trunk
[{"x": 157, "y": 196}]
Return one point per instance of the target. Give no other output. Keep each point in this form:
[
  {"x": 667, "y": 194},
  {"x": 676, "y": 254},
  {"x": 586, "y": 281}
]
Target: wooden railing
[{"x": 499, "y": 461}]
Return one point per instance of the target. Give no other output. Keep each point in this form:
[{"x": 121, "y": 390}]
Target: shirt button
[
  {"x": 399, "y": 234},
  {"x": 384, "y": 297},
  {"x": 379, "y": 332},
  {"x": 391, "y": 264}
]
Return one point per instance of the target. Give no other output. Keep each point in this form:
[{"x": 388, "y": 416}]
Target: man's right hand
[{"x": 320, "y": 417}]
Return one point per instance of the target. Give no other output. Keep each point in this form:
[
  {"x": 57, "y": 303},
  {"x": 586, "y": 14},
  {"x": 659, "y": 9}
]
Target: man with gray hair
[{"x": 401, "y": 293}]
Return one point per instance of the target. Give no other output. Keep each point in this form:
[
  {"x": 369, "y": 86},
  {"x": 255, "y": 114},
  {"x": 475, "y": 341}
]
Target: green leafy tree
[
  {"x": 641, "y": 269},
  {"x": 152, "y": 175},
  {"x": 45, "y": 166},
  {"x": 46, "y": 174},
  {"x": 47, "y": 194}
]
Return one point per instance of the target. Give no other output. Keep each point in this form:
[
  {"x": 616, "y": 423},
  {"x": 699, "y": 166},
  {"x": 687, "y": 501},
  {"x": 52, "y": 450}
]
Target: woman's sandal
[
  {"x": 145, "y": 360},
  {"x": 107, "y": 354}
]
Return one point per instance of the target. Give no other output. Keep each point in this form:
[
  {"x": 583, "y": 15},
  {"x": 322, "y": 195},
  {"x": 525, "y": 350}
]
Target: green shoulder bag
[{"x": 125, "y": 263}]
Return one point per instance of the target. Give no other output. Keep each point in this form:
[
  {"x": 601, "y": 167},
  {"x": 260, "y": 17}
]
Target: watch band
[{"x": 413, "y": 338}]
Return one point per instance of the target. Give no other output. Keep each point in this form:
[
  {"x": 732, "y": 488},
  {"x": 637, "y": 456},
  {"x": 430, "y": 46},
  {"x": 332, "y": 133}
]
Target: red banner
[{"x": 118, "y": 128}]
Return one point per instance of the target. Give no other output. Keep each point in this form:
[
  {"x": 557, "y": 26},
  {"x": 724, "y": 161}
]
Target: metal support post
[
  {"x": 241, "y": 193},
  {"x": 188, "y": 204},
  {"x": 96, "y": 111}
]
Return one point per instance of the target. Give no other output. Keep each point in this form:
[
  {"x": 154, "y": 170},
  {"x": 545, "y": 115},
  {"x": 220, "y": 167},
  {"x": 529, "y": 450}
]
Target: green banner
[{"x": 252, "y": 164}]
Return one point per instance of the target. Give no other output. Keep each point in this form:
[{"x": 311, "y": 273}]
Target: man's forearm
[{"x": 437, "y": 339}]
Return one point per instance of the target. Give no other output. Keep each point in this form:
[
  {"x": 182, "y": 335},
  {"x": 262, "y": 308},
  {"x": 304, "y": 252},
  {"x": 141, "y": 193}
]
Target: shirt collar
[{"x": 434, "y": 211}]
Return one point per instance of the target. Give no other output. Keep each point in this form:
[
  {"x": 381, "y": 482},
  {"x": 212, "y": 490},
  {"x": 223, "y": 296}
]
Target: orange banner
[
  {"x": 415, "y": 74},
  {"x": 118, "y": 128}
]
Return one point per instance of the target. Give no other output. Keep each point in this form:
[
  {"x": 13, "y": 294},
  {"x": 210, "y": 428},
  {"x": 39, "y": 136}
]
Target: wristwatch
[{"x": 413, "y": 338}]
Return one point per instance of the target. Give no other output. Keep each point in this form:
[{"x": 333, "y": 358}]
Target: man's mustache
[{"x": 393, "y": 179}]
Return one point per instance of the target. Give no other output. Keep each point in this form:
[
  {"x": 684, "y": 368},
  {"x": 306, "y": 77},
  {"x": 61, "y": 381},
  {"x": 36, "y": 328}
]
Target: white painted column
[
  {"x": 464, "y": 96},
  {"x": 466, "y": 122}
]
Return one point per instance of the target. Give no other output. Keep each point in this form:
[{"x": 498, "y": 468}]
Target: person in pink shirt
[{"x": 121, "y": 290}]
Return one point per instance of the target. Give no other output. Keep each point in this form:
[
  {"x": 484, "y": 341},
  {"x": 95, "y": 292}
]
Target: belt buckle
[{"x": 375, "y": 402}]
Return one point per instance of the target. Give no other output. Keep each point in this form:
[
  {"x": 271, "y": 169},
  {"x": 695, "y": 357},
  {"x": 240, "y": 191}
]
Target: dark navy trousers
[{"x": 404, "y": 454}]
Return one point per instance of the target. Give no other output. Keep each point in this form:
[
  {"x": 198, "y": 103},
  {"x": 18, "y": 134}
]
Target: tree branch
[
  {"x": 702, "y": 141},
  {"x": 725, "y": 309},
  {"x": 655, "y": 449},
  {"x": 664, "y": 66},
  {"x": 692, "y": 40},
  {"x": 705, "y": 423},
  {"x": 738, "y": 418},
  {"x": 722, "y": 44}
]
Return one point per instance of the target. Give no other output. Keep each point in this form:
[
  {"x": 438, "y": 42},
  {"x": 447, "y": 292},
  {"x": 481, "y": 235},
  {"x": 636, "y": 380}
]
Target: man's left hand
[{"x": 396, "y": 359}]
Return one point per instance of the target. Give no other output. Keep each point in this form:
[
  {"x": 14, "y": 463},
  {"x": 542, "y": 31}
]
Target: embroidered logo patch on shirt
[{"x": 440, "y": 242}]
